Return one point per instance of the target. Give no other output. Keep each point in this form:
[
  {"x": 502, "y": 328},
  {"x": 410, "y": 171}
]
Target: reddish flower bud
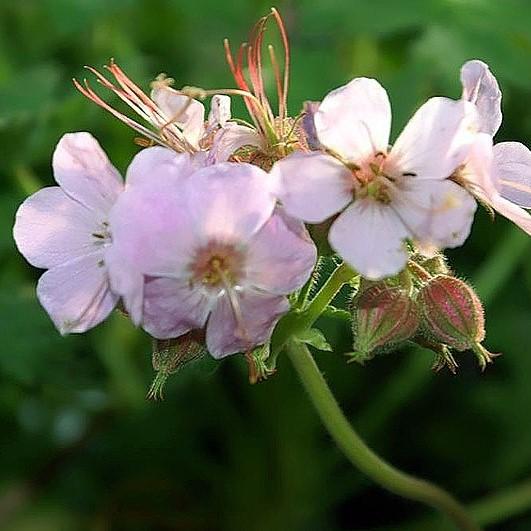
[
  {"x": 170, "y": 355},
  {"x": 383, "y": 317},
  {"x": 453, "y": 315}
]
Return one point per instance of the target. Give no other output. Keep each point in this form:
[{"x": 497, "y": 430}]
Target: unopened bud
[
  {"x": 453, "y": 315},
  {"x": 170, "y": 355},
  {"x": 383, "y": 317}
]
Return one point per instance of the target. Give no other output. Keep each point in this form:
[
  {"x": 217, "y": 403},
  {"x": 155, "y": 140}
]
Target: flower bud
[
  {"x": 170, "y": 355},
  {"x": 383, "y": 317},
  {"x": 453, "y": 315}
]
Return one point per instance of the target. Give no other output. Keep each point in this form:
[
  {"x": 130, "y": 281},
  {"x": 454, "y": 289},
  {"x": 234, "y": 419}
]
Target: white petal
[
  {"x": 76, "y": 295},
  {"x": 355, "y": 119},
  {"x": 84, "y": 172},
  {"x": 512, "y": 171},
  {"x": 435, "y": 141},
  {"x": 370, "y": 237},
  {"x": 481, "y": 88},
  {"x": 219, "y": 111},
  {"x": 185, "y": 112},
  {"x": 312, "y": 186},
  {"x": 436, "y": 213},
  {"x": 231, "y": 138},
  {"x": 51, "y": 228}
]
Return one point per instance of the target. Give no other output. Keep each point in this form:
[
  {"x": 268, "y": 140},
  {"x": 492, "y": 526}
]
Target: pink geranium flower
[
  {"x": 499, "y": 175},
  {"x": 383, "y": 196},
  {"x": 214, "y": 252},
  {"x": 65, "y": 229}
]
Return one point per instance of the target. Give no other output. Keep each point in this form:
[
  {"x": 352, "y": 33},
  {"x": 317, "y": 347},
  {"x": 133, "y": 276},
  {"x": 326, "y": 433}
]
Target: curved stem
[
  {"x": 360, "y": 454},
  {"x": 503, "y": 505}
]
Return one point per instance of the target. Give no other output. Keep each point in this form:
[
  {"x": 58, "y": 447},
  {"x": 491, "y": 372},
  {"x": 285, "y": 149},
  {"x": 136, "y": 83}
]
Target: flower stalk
[{"x": 360, "y": 455}]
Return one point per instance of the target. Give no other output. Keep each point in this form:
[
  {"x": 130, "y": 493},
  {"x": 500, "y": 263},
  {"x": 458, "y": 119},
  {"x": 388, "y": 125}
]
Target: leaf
[
  {"x": 337, "y": 313},
  {"x": 315, "y": 338}
]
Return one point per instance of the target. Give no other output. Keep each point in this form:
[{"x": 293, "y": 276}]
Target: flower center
[
  {"x": 371, "y": 181},
  {"x": 217, "y": 266}
]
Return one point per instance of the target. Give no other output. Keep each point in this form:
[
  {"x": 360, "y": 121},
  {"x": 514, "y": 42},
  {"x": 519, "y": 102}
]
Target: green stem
[
  {"x": 503, "y": 505},
  {"x": 360, "y": 455},
  {"x": 296, "y": 322}
]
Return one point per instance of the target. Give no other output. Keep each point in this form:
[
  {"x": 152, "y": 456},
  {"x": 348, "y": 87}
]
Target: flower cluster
[{"x": 207, "y": 233}]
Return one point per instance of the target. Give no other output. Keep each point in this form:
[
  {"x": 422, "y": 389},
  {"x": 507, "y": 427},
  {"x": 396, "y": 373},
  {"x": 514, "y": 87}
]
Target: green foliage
[{"x": 80, "y": 448}]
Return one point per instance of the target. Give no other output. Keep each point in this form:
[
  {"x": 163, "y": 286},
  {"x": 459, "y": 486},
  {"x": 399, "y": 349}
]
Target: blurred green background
[{"x": 81, "y": 448}]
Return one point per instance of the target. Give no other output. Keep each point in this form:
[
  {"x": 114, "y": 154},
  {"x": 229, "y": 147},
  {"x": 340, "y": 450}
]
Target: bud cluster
[{"x": 426, "y": 305}]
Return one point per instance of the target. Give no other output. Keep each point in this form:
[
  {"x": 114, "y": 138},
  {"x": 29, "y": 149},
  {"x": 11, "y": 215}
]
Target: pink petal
[
  {"x": 436, "y": 213},
  {"x": 281, "y": 256},
  {"x": 172, "y": 308},
  {"x": 517, "y": 215},
  {"x": 76, "y": 295},
  {"x": 152, "y": 235},
  {"x": 84, "y": 172},
  {"x": 312, "y": 186},
  {"x": 157, "y": 163},
  {"x": 259, "y": 314},
  {"x": 370, "y": 237},
  {"x": 355, "y": 120},
  {"x": 435, "y": 141},
  {"x": 481, "y": 88},
  {"x": 229, "y": 202},
  {"x": 308, "y": 124},
  {"x": 51, "y": 228},
  {"x": 512, "y": 171},
  {"x": 185, "y": 112}
]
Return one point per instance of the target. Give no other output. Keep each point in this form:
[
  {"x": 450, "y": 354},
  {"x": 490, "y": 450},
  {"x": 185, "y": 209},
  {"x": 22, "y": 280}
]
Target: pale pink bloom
[
  {"x": 175, "y": 120},
  {"x": 499, "y": 175},
  {"x": 65, "y": 229},
  {"x": 383, "y": 196},
  {"x": 214, "y": 252}
]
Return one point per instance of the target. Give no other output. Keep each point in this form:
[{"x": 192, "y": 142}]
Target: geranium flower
[
  {"x": 65, "y": 229},
  {"x": 214, "y": 252},
  {"x": 175, "y": 119},
  {"x": 383, "y": 196},
  {"x": 500, "y": 175}
]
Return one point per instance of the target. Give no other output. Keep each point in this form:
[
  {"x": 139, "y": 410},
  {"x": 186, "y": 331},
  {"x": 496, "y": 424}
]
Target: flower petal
[
  {"x": 187, "y": 113},
  {"x": 370, "y": 237},
  {"x": 312, "y": 186},
  {"x": 436, "y": 213},
  {"x": 219, "y": 111},
  {"x": 51, "y": 228},
  {"x": 172, "y": 308},
  {"x": 259, "y": 314},
  {"x": 281, "y": 257},
  {"x": 231, "y": 138},
  {"x": 435, "y": 141},
  {"x": 84, "y": 172},
  {"x": 355, "y": 120},
  {"x": 76, "y": 295},
  {"x": 308, "y": 124},
  {"x": 516, "y": 214},
  {"x": 512, "y": 171},
  {"x": 229, "y": 202},
  {"x": 157, "y": 163},
  {"x": 152, "y": 235},
  {"x": 481, "y": 88}
]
